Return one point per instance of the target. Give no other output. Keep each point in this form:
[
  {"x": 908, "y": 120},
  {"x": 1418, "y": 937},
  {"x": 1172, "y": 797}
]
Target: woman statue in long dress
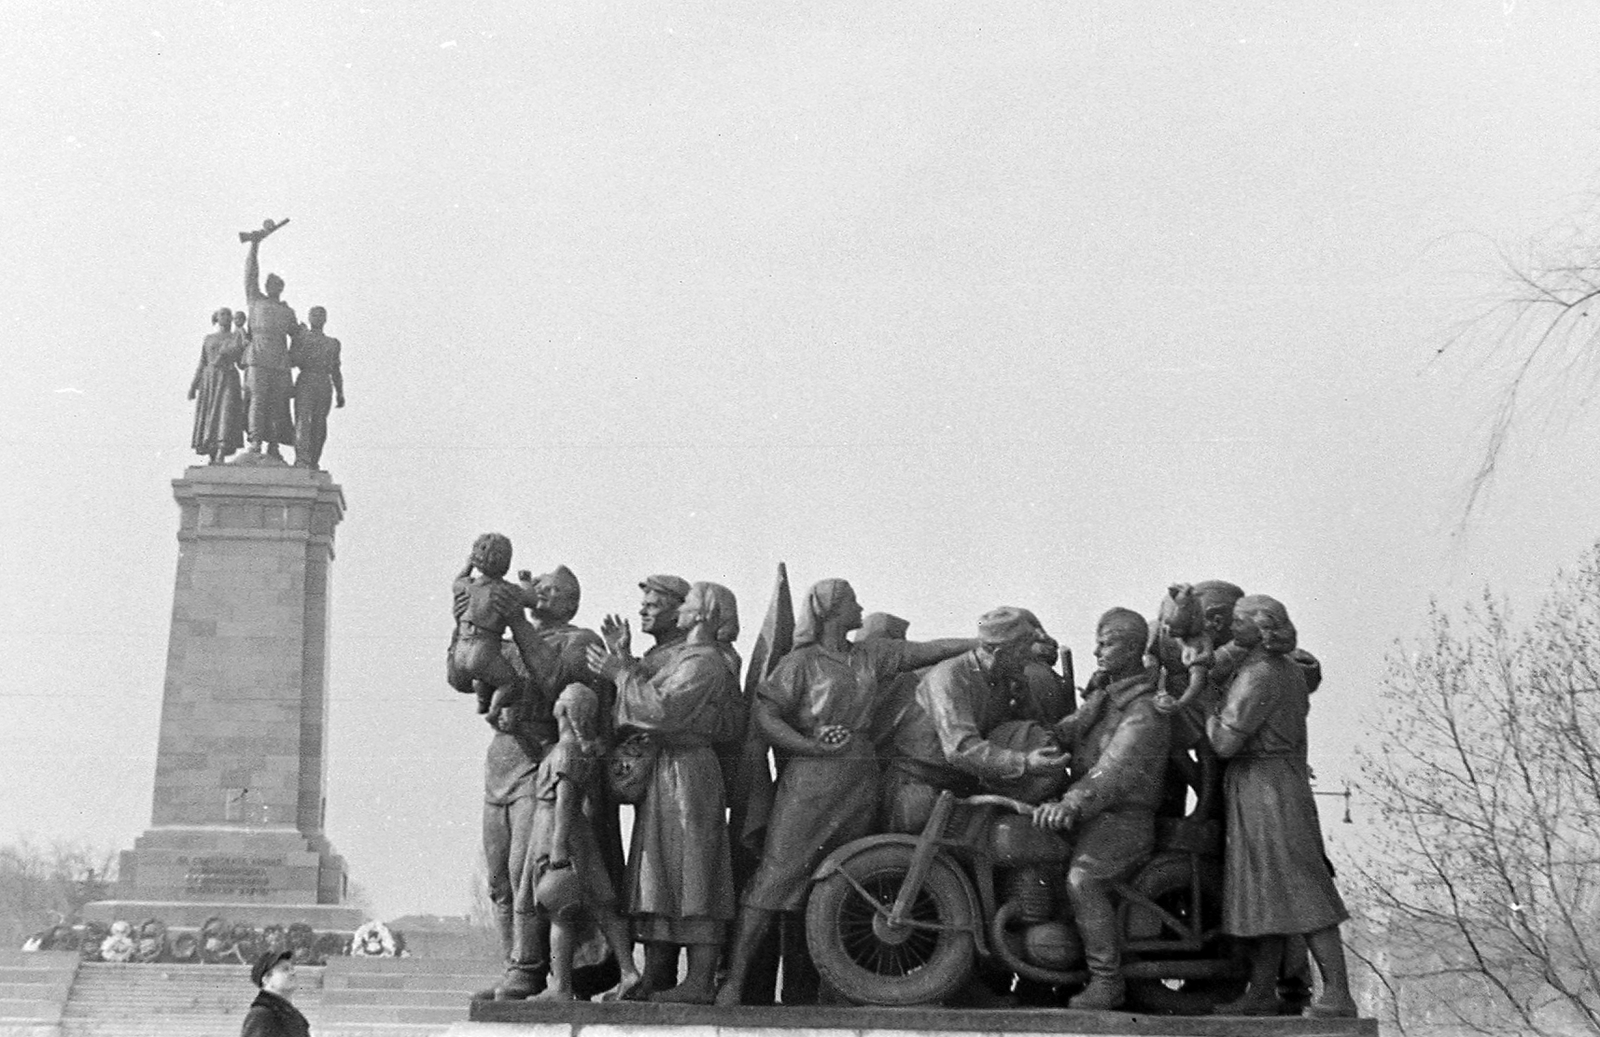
[
  {"x": 680, "y": 878},
  {"x": 1277, "y": 882},
  {"x": 817, "y": 710},
  {"x": 219, "y": 407}
]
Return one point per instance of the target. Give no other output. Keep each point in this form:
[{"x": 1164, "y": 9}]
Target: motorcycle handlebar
[{"x": 989, "y": 799}]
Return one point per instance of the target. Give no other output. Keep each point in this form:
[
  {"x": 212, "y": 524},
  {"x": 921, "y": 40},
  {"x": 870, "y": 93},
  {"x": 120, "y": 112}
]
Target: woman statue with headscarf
[
  {"x": 1277, "y": 880},
  {"x": 680, "y": 881},
  {"x": 816, "y": 710},
  {"x": 219, "y": 407}
]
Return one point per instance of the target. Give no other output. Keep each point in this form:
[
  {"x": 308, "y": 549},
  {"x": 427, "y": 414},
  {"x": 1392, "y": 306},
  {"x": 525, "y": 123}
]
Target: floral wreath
[
  {"x": 372, "y": 940},
  {"x": 120, "y": 945}
]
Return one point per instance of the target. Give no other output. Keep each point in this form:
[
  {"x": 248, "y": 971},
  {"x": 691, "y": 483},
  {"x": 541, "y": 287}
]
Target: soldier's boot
[
  {"x": 519, "y": 984},
  {"x": 1103, "y": 994},
  {"x": 503, "y": 924},
  {"x": 1096, "y": 918}
]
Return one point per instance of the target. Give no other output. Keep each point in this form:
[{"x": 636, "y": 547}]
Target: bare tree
[
  {"x": 1540, "y": 318},
  {"x": 45, "y": 886},
  {"x": 1486, "y": 777}
]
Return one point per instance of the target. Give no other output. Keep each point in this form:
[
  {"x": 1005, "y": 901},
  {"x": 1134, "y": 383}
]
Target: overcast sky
[{"x": 1043, "y": 303}]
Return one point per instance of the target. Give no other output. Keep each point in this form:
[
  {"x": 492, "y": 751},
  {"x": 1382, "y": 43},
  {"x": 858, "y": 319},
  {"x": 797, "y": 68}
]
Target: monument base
[
  {"x": 180, "y": 914},
  {"x": 257, "y": 875},
  {"x": 248, "y": 864},
  {"x": 567, "y": 1019}
]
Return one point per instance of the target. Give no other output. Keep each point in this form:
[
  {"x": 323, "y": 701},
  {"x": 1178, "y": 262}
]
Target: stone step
[
  {"x": 439, "y": 1017},
  {"x": 443, "y": 984},
  {"x": 12, "y": 957},
  {"x": 131, "y": 1027},
  {"x": 403, "y": 990},
  {"x": 30, "y": 965},
  {"x": 16, "y": 974},
  {"x": 34, "y": 988},
  {"x": 39, "y": 990},
  {"x": 350, "y": 997},
  {"x": 399, "y": 998},
  {"x": 452, "y": 999},
  {"x": 363, "y": 1029},
  {"x": 169, "y": 1000},
  {"x": 30, "y": 1007}
]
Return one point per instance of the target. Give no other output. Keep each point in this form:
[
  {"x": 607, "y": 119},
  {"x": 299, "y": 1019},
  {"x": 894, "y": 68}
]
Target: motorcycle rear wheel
[{"x": 861, "y": 960}]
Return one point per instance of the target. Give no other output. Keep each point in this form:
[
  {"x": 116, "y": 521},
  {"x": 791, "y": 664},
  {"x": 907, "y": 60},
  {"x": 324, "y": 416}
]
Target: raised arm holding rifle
[{"x": 267, "y": 386}]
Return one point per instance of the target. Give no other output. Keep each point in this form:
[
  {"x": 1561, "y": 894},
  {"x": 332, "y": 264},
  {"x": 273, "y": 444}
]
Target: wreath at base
[{"x": 373, "y": 940}]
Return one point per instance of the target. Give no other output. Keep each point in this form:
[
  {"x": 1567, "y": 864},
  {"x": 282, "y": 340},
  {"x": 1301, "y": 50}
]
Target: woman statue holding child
[{"x": 1278, "y": 882}]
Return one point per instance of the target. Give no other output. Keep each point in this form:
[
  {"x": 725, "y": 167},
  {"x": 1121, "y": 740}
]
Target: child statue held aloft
[{"x": 485, "y": 607}]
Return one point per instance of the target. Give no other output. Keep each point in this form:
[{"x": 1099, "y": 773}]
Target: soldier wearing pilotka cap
[
  {"x": 941, "y": 740},
  {"x": 1119, "y": 742}
]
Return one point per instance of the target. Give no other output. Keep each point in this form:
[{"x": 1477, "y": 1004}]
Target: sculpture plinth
[{"x": 237, "y": 819}]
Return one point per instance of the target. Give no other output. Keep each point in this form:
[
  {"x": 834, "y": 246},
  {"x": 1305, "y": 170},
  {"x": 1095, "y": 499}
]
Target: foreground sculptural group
[
  {"x": 265, "y": 343},
  {"x": 949, "y": 820}
]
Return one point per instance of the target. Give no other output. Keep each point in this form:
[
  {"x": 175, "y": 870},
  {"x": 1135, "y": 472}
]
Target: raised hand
[
  {"x": 618, "y": 635},
  {"x": 604, "y": 663}
]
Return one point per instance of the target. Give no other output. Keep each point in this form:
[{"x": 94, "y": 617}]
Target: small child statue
[
  {"x": 485, "y": 606},
  {"x": 569, "y": 875}
]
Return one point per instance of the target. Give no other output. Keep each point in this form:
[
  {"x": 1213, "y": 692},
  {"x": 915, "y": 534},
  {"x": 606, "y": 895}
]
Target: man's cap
[
  {"x": 676, "y": 586},
  {"x": 264, "y": 964},
  {"x": 1006, "y": 625}
]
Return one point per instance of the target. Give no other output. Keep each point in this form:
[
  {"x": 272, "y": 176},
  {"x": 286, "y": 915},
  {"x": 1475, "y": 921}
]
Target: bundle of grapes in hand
[{"x": 832, "y": 735}]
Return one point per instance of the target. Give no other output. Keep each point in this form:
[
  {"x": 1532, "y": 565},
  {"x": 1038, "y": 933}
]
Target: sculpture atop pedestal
[{"x": 237, "y": 815}]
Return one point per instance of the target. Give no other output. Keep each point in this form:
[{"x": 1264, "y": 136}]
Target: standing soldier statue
[
  {"x": 318, "y": 385},
  {"x": 266, "y": 357}
]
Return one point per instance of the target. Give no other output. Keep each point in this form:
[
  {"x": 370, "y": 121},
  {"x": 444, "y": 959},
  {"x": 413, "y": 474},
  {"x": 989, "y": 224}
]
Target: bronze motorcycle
[{"x": 903, "y": 919}]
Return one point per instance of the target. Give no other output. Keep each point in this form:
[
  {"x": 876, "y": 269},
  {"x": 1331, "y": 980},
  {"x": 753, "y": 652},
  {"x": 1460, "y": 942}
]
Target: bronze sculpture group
[
  {"x": 949, "y": 818},
  {"x": 901, "y": 822},
  {"x": 266, "y": 343}
]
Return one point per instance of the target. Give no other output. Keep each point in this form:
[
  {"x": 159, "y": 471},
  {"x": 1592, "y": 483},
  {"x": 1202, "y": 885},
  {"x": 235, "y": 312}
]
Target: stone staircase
[
  {"x": 169, "y": 1000},
  {"x": 52, "y": 994},
  {"x": 399, "y": 997},
  {"x": 33, "y": 991}
]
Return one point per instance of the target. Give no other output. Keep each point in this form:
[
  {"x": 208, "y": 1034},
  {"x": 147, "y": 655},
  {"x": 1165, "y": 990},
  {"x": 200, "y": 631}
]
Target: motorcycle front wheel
[{"x": 870, "y": 962}]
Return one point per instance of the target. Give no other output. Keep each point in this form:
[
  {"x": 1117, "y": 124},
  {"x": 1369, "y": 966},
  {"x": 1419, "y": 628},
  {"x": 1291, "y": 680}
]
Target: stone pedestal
[
  {"x": 236, "y": 824},
  {"x": 536, "y": 1018}
]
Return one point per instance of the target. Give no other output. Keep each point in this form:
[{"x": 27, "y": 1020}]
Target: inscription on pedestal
[{"x": 222, "y": 876}]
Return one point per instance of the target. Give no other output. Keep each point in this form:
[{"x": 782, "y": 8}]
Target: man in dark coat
[{"x": 271, "y": 1014}]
